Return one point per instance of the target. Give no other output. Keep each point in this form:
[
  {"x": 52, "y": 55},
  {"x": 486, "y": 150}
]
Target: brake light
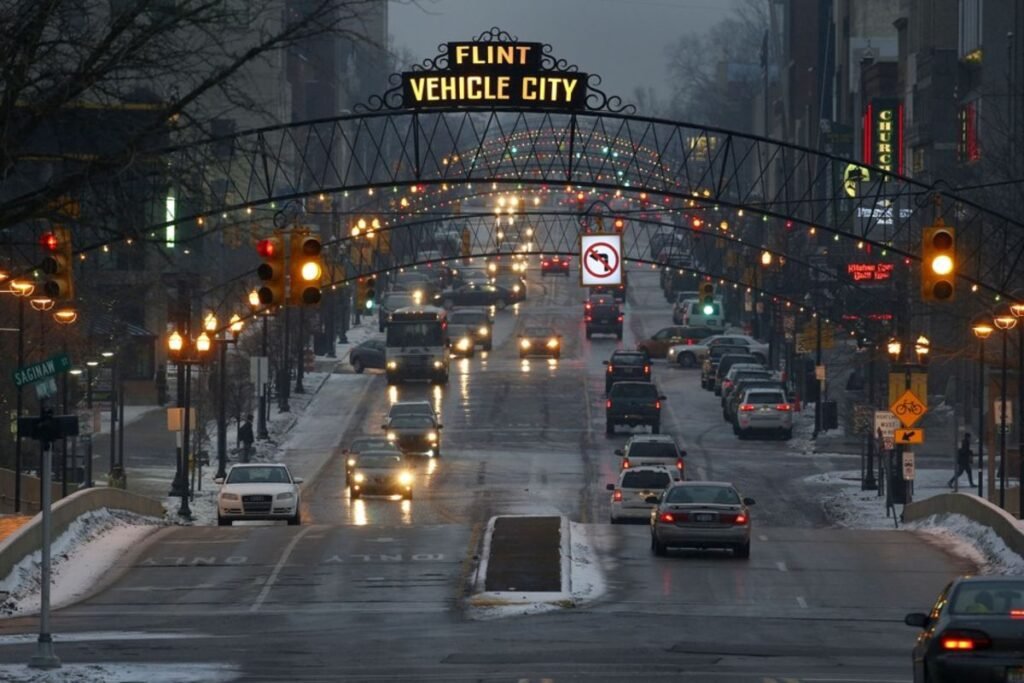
[
  {"x": 608, "y": 403},
  {"x": 666, "y": 517},
  {"x": 587, "y": 318},
  {"x": 620, "y": 318},
  {"x": 647, "y": 369},
  {"x": 679, "y": 464},
  {"x": 689, "y": 342},
  {"x": 625, "y": 463},
  {"x": 546, "y": 263},
  {"x": 617, "y": 496},
  {"x": 784, "y": 407},
  {"x": 746, "y": 408},
  {"x": 1017, "y": 614},
  {"x": 586, "y": 307},
  {"x": 965, "y": 641},
  {"x": 741, "y": 519},
  {"x": 657, "y": 405}
]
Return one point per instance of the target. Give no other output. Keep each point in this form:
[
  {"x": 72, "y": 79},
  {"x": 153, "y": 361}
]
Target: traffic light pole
[
  {"x": 261, "y": 419},
  {"x": 284, "y": 385},
  {"x": 17, "y": 442},
  {"x": 301, "y": 354},
  {"x": 45, "y": 658}
]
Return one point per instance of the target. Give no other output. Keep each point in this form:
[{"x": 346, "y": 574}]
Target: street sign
[
  {"x": 888, "y": 423},
  {"x": 819, "y": 373},
  {"x": 601, "y": 259},
  {"x": 259, "y": 371},
  {"x": 908, "y": 466},
  {"x": 997, "y": 411},
  {"x": 174, "y": 418},
  {"x": 909, "y": 436},
  {"x": 908, "y": 408},
  {"x": 46, "y": 388},
  {"x": 914, "y": 379},
  {"x": 36, "y": 372}
]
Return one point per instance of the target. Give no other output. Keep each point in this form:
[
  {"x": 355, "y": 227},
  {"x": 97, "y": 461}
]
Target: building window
[
  {"x": 969, "y": 23},
  {"x": 967, "y": 149}
]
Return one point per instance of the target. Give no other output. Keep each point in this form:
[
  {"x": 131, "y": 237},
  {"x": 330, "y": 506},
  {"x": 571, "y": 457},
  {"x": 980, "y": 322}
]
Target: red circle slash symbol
[{"x": 601, "y": 259}]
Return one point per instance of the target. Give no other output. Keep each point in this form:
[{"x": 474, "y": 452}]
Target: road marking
[
  {"x": 762, "y": 537},
  {"x": 800, "y": 601},
  {"x": 218, "y": 541},
  {"x": 781, "y": 566},
  {"x": 277, "y": 569},
  {"x": 199, "y": 586}
]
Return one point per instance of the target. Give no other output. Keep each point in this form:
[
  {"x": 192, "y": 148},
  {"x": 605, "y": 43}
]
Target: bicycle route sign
[{"x": 908, "y": 408}]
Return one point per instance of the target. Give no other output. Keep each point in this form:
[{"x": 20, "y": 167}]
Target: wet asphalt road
[{"x": 375, "y": 589}]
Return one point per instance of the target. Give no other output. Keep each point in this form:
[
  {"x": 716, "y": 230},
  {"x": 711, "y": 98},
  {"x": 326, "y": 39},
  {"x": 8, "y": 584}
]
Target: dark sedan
[
  {"x": 361, "y": 445},
  {"x": 554, "y": 264},
  {"x": 477, "y": 295},
  {"x": 540, "y": 341},
  {"x": 973, "y": 633},
  {"x": 369, "y": 354}
]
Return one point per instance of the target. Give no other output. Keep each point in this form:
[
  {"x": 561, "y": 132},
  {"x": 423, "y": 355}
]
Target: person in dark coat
[
  {"x": 245, "y": 437},
  {"x": 963, "y": 462}
]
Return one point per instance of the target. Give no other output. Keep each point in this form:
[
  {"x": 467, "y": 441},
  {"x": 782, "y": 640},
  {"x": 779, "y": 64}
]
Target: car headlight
[
  {"x": 483, "y": 331},
  {"x": 465, "y": 344},
  {"x": 405, "y": 478},
  {"x": 515, "y": 288},
  {"x": 392, "y": 365},
  {"x": 229, "y": 496},
  {"x": 392, "y": 436},
  {"x": 417, "y": 296},
  {"x": 360, "y": 477},
  {"x": 438, "y": 365},
  {"x": 431, "y": 436},
  {"x": 525, "y": 344},
  {"x": 492, "y": 267},
  {"x": 351, "y": 462},
  {"x": 288, "y": 495},
  {"x": 552, "y": 343}
]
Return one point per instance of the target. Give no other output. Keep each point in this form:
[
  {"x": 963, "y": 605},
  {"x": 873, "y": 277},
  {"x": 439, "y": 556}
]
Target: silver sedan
[{"x": 701, "y": 514}]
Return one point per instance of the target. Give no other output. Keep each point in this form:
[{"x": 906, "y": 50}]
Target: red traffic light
[
  {"x": 266, "y": 248},
  {"x": 50, "y": 242}
]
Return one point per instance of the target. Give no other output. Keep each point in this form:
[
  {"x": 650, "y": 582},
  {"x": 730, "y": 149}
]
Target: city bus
[{"x": 416, "y": 347}]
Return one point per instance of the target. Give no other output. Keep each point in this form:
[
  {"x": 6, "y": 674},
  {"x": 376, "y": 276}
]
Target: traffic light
[
  {"x": 938, "y": 263},
  {"x": 59, "y": 284},
  {"x": 707, "y": 297},
  {"x": 370, "y": 300},
  {"x": 307, "y": 269},
  {"x": 271, "y": 271}
]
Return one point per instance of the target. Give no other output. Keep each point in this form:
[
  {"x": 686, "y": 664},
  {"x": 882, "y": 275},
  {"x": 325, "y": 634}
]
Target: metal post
[
  {"x": 981, "y": 415},
  {"x": 869, "y": 483},
  {"x": 1002, "y": 427},
  {"x": 222, "y": 422},
  {"x": 1020, "y": 419},
  {"x": 261, "y": 419},
  {"x": 300, "y": 342},
  {"x": 817, "y": 363},
  {"x": 64, "y": 439},
  {"x": 184, "y": 510},
  {"x": 88, "y": 437},
  {"x": 284, "y": 386},
  {"x": 120, "y": 426},
  {"x": 17, "y": 441},
  {"x": 44, "y": 658},
  {"x": 113, "y": 416}
]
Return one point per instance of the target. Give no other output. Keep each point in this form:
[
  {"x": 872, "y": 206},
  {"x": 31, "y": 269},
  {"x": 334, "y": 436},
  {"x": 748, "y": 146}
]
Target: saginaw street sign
[{"x": 488, "y": 74}]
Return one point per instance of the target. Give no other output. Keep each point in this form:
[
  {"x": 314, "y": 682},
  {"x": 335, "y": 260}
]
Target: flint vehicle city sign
[{"x": 494, "y": 74}]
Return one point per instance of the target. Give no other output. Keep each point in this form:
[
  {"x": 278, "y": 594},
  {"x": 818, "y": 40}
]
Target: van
[{"x": 694, "y": 315}]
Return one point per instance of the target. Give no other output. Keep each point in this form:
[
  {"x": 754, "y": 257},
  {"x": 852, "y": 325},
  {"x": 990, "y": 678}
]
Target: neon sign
[
  {"x": 882, "y": 141},
  {"x": 869, "y": 272}
]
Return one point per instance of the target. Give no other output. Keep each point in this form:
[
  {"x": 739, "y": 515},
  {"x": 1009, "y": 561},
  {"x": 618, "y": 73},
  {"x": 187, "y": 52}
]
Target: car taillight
[
  {"x": 1017, "y": 614},
  {"x": 666, "y": 517},
  {"x": 657, "y": 405},
  {"x": 689, "y": 342},
  {"x": 617, "y": 496},
  {"x": 608, "y": 403},
  {"x": 746, "y": 408},
  {"x": 625, "y": 463},
  {"x": 740, "y": 519},
  {"x": 784, "y": 407},
  {"x": 964, "y": 640},
  {"x": 679, "y": 464},
  {"x": 610, "y": 368},
  {"x": 647, "y": 369},
  {"x": 620, "y": 318},
  {"x": 586, "y": 307},
  {"x": 587, "y": 318},
  {"x": 726, "y": 384},
  {"x": 546, "y": 263}
]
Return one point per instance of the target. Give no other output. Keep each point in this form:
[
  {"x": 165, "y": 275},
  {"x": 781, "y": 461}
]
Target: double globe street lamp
[
  {"x": 229, "y": 336},
  {"x": 982, "y": 329},
  {"x": 1005, "y": 321},
  {"x": 186, "y": 352}
]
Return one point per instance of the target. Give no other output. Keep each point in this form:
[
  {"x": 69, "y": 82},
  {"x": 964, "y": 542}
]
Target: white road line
[
  {"x": 800, "y": 601},
  {"x": 762, "y": 537},
  {"x": 277, "y": 569},
  {"x": 218, "y": 541},
  {"x": 781, "y": 566}
]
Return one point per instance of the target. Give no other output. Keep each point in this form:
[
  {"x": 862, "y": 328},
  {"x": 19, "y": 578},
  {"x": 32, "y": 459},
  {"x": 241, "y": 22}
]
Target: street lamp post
[
  {"x": 64, "y": 316},
  {"x": 235, "y": 328},
  {"x": 186, "y": 354},
  {"x": 1005, "y": 321},
  {"x": 89, "y": 365},
  {"x": 21, "y": 289},
  {"x": 982, "y": 330},
  {"x": 109, "y": 355},
  {"x": 261, "y": 393},
  {"x": 1017, "y": 310}
]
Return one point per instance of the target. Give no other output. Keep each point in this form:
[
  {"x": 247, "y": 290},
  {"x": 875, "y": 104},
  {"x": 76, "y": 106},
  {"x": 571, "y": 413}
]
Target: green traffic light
[
  {"x": 369, "y": 304},
  {"x": 708, "y": 309}
]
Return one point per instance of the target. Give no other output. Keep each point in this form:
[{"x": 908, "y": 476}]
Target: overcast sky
[{"x": 623, "y": 40}]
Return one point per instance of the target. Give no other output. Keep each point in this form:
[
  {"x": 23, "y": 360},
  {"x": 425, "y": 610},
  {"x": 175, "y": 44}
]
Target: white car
[
  {"x": 692, "y": 355},
  {"x": 635, "y": 486},
  {"x": 258, "y": 491},
  {"x": 764, "y": 410}
]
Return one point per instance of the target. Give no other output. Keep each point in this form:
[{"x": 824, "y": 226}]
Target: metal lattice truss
[{"x": 466, "y": 152}]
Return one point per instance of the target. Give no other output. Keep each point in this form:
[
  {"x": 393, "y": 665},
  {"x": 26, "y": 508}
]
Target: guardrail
[
  {"x": 974, "y": 508},
  {"x": 28, "y": 539}
]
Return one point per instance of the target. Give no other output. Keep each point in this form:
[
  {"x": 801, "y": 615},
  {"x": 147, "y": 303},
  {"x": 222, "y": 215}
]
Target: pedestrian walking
[
  {"x": 245, "y": 437},
  {"x": 963, "y": 462}
]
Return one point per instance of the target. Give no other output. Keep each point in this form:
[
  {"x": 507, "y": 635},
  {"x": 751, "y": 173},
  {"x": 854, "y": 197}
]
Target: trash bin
[{"x": 829, "y": 415}]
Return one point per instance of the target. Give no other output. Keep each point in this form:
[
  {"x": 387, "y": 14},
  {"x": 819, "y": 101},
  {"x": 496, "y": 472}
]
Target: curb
[{"x": 561, "y": 598}]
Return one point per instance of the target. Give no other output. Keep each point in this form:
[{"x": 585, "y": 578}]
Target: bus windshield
[{"x": 415, "y": 334}]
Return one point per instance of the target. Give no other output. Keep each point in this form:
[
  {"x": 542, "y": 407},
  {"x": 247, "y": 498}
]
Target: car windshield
[
  {"x": 765, "y": 397},
  {"x": 410, "y": 278},
  {"x": 411, "y": 421},
  {"x": 258, "y": 475},
  {"x": 410, "y": 409},
  {"x": 380, "y": 462},
  {"x": 360, "y": 445},
  {"x": 655, "y": 449},
  {"x": 645, "y": 480},
  {"x": 714, "y": 495},
  {"x": 633, "y": 390},
  {"x": 538, "y": 332},
  {"x": 628, "y": 359},
  {"x": 468, "y": 318},
  {"x": 1005, "y": 598},
  {"x": 399, "y": 300}
]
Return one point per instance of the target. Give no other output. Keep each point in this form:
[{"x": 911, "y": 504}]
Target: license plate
[
  {"x": 1015, "y": 675},
  {"x": 704, "y": 517}
]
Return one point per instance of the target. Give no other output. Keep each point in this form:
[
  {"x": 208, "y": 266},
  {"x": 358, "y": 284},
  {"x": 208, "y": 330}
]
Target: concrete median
[{"x": 974, "y": 508}]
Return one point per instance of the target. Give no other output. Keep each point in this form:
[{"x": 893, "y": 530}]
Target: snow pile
[
  {"x": 587, "y": 578},
  {"x": 105, "y": 673},
  {"x": 852, "y": 507},
  {"x": 974, "y": 542},
  {"x": 80, "y": 557}
]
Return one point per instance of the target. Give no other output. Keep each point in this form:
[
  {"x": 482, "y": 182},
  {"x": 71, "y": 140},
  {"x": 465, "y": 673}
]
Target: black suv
[
  {"x": 633, "y": 403},
  {"x": 602, "y": 314},
  {"x": 617, "y": 292},
  {"x": 627, "y": 365}
]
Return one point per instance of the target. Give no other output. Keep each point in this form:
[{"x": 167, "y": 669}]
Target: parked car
[
  {"x": 633, "y": 404},
  {"x": 736, "y": 395},
  {"x": 632, "y": 491},
  {"x": 367, "y": 354},
  {"x": 258, "y": 491},
  {"x": 764, "y": 410},
  {"x": 710, "y": 365},
  {"x": 701, "y": 514},
  {"x": 689, "y": 355},
  {"x": 555, "y": 264},
  {"x": 726, "y": 362},
  {"x": 653, "y": 449},
  {"x": 742, "y": 371},
  {"x": 657, "y": 344},
  {"x": 602, "y": 315},
  {"x": 972, "y": 632}
]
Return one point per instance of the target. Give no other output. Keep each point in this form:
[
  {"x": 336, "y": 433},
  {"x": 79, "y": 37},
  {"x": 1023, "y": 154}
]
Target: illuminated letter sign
[
  {"x": 883, "y": 135},
  {"x": 493, "y": 74},
  {"x": 869, "y": 272}
]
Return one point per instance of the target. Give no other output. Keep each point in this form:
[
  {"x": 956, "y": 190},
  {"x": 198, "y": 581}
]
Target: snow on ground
[
  {"x": 974, "y": 542},
  {"x": 131, "y": 414},
  {"x": 179, "y": 672},
  {"x": 80, "y": 557}
]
